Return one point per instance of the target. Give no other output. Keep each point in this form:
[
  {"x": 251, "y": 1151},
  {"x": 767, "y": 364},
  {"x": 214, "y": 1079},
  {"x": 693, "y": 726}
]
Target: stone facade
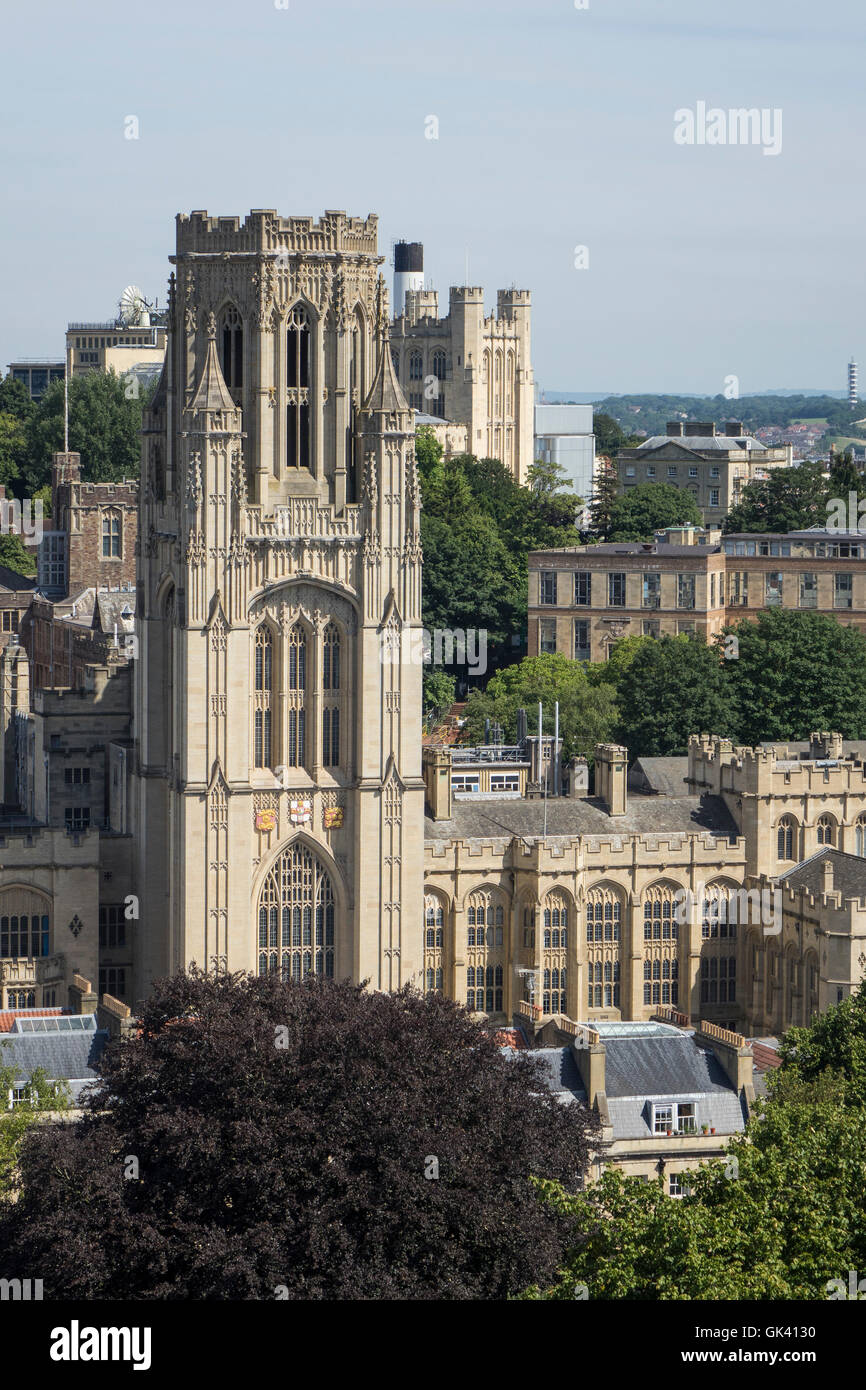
[
  {"x": 583, "y": 920},
  {"x": 278, "y": 800},
  {"x": 713, "y": 467},
  {"x": 472, "y": 370},
  {"x": 582, "y": 600}
]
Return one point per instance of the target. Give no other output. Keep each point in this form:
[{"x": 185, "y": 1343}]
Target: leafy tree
[
  {"x": 835, "y": 1042},
  {"x": 637, "y": 513},
  {"x": 104, "y": 427},
  {"x": 15, "y": 555},
  {"x": 44, "y": 1097},
  {"x": 779, "y": 1218},
  {"x": 287, "y": 1137},
  {"x": 428, "y": 451},
  {"x": 845, "y": 477},
  {"x": 796, "y": 672},
  {"x": 13, "y": 447},
  {"x": 477, "y": 528},
  {"x": 622, "y": 654},
  {"x": 610, "y": 437},
  {"x": 587, "y": 713},
  {"x": 15, "y": 399},
  {"x": 439, "y": 687},
  {"x": 673, "y": 687},
  {"x": 788, "y": 499}
]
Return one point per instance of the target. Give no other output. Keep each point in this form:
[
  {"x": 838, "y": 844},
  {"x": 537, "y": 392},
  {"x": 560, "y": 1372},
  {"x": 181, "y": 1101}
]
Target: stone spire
[{"x": 212, "y": 392}]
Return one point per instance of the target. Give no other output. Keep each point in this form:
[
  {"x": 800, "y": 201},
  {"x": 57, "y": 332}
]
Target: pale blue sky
[{"x": 555, "y": 130}]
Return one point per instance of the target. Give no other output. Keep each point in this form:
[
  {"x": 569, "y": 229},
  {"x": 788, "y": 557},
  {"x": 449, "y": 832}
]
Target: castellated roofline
[{"x": 264, "y": 230}]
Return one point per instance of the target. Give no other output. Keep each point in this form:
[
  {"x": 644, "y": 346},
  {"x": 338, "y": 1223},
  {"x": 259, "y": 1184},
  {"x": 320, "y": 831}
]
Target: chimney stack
[{"x": 611, "y": 767}]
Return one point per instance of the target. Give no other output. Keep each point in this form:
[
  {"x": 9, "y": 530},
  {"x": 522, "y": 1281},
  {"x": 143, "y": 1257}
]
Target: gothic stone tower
[{"x": 279, "y": 792}]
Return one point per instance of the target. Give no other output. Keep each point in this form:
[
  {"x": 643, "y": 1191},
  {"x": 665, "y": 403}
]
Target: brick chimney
[
  {"x": 674, "y": 429},
  {"x": 705, "y": 428},
  {"x": 733, "y": 428}
]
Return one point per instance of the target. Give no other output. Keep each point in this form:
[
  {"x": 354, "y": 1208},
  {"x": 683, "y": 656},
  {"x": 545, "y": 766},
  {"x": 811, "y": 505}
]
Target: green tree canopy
[
  {"x": 315, "y": 1137},
  {"x": 797, "y": 672},
  {"x": 780, "y": 1218},
  {"x": 17, "y": 556},
  {"x": 788, "y": 499},
  {"x": 104, "y": 427},
  {"x": 477, "y": 529},
  {"x": 587, "y": 713},
  {"x": 673, "y": 687},
  {"x": 15, "y": 399},
  {"x": 648, "y": 507}
]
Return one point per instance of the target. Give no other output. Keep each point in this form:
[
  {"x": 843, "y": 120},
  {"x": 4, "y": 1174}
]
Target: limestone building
[
  {"x": 582, "y": 600},
  {"x": 278, "y": 801},
  {"x": 713, "y": 467},
  {"x": 243, "y": 786},
  {"x": 471, "y": 369}
]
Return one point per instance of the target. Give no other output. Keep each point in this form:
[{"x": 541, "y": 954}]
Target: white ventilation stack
[
  {"x": 852, "y": 383},
  {"x": 408, "y": 272}
]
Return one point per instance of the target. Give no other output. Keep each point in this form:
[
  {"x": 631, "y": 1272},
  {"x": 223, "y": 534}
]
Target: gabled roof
[
  {"x": 701, "y": 443},
  {"x": 849, "y": 874},
  {"x": 68, "y": 1057}
]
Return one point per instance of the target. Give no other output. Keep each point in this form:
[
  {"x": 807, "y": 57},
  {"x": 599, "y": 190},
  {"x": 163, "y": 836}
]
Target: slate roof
[
  {"x": 703, "y": 443},
  {"x": 109, "y": 608},
  {"x": 650, "y": 815},
  {"x": 11, "y": 579},
  {"x": 644, "y": 1068},
  {"x": 68, "y": 1057},
  {"x": 557, "y": 1067},
  {"x": 664, "y": 775},
  {"x": 849, "y": 874}
]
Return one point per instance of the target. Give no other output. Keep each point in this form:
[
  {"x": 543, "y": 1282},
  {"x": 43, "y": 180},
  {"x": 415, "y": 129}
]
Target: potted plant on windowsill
[{"x": 705, "y": 1129}]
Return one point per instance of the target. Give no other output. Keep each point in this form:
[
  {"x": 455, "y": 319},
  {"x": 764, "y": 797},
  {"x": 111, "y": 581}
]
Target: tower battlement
[{"x": 264, "y": 230}]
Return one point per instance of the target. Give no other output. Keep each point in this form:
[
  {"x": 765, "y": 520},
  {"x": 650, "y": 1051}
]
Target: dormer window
[{"x": 680, "y": 1117}]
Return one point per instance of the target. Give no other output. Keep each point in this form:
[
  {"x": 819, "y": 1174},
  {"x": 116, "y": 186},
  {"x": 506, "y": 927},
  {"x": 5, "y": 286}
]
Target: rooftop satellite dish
[{"x": 134, "y": 308}]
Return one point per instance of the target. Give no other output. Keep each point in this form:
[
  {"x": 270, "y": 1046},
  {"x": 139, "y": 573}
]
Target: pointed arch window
[
  {"x": 785, "y": 838},
  {"x": 296, "y": 917},
  {"x": 298, "y": 389},
  {"x": 296, "y": 749},
  {"x": 860, "y": 836},
  {"x": 434, "y": 931},
  {"x": 264, "y": 657},
  {"x": 331, "y": 658},
  {"x": 826, "y": 830},
  {"x": 231, "y": 348}
]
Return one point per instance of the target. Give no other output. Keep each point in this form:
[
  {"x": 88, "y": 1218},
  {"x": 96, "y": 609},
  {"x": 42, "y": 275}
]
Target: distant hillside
[{"x": 651, "y": 413}]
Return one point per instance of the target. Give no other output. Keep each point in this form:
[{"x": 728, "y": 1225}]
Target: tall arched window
[
  {"x": 25, "y": 924},
  {"x": 298, "y": 389},
  {"x": 264, "y": 655},
  {"x": 860, "y": 836},
  {"x": 416, "y": 366},
  {"x": 485, "y": 921},
  {"x": 603, "y": 938},
  {"x": 661, "y": 936},
  {"x": 785, "y": 838},
  {"x": 826, "y": 830},
  {"x": 331, "y": 688},
  {"x": 434, "y": 931},
  {"x": 231, "y": 348},
  {"x": 554, "y": 957},
  {"x": 296, "y": 695},
  {"x": 296, "y": 917}
]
